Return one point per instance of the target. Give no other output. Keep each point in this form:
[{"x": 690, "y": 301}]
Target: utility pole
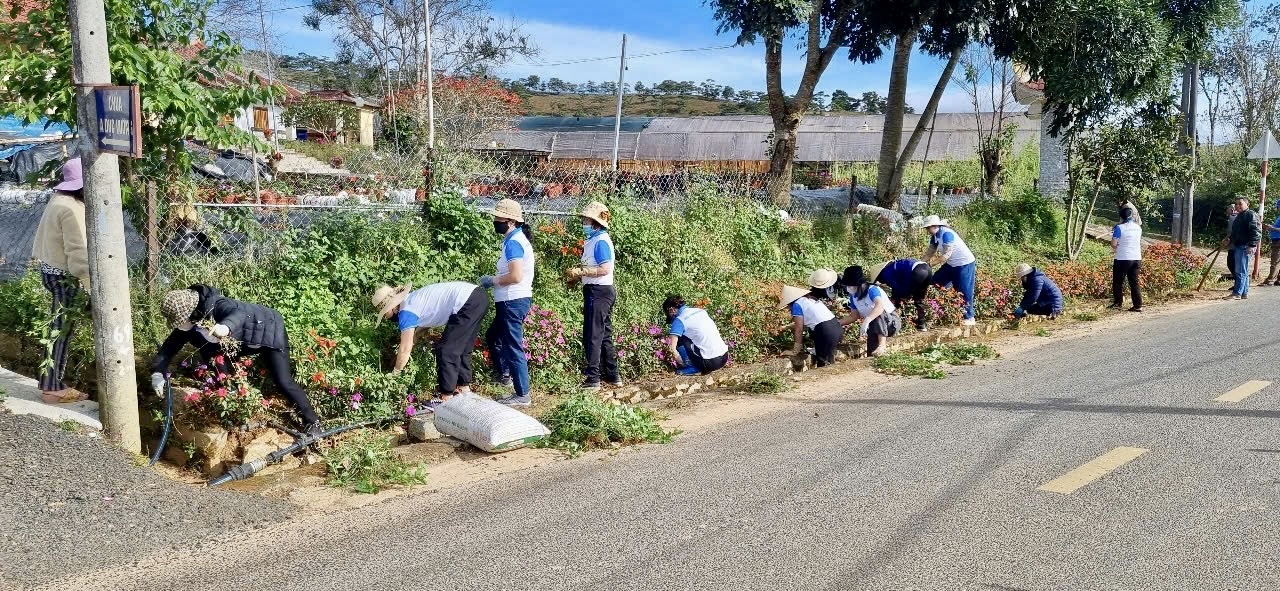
[
  {"x": 1184, "y": 201},
  {"x": 429, "y": 173},
  {"x": 617, "y": 115},
  {"x": 108, "y": 272}
]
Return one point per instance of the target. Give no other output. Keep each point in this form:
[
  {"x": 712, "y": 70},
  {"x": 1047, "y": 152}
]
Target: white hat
[
  {"x": 509, "y": 209},
  {"x": 386, "y": 298},
  {"x": 598, "y": 212},
  {"x": 822, "y": 278},
  {"x": 791, "y": 294},
  {"x": 932, "y": 221},
  {"x": 1022, "y": 270}
]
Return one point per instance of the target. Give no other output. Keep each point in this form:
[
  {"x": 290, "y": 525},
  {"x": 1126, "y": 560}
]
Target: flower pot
[
  {"x": 230, "y": 199},
  {"x": 553, "y": 190},
  {"x": 573, "y": 189}
]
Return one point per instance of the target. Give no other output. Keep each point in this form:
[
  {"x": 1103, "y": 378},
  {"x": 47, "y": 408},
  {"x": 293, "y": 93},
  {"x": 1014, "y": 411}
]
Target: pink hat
[{"x": 72, "y": 176}]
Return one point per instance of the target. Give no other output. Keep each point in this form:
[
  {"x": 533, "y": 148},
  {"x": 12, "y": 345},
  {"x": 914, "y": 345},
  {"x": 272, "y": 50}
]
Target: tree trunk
[
  {"x": 904, "y": 159},
  {"x": 894, "y": 112},
  {"x": 782, "y": 160}
]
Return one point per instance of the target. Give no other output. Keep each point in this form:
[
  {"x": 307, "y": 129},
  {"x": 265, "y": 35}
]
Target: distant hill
[{"x": 600, "y": 105}]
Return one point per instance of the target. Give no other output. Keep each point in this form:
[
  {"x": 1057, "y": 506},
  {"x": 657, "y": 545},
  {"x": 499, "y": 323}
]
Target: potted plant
[
  {"x": 337, "y": 161},
  {"x": 267, "y": 133}
]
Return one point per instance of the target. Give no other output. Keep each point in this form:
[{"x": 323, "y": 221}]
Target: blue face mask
[{"x": 588, "y": 229}]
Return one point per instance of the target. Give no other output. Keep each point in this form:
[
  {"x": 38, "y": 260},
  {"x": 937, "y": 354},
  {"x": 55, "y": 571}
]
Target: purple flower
[
  {"x": 410, "y": 411},
  {"x": 411, "y": 398},
  {"x": 654, "y": 331},
  {"x": 184, "y": 364},
  {"x": 333, "y": 391},
  {"x": 356, "y": 397}
]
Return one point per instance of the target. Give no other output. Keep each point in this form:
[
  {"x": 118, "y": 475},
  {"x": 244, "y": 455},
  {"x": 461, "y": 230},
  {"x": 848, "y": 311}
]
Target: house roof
[
  {"x": 844, "y": 138},
  {"x": 228, "y": 78},
  {"x": 343, "y": 96},
  {"x": 18, "y": 9}
]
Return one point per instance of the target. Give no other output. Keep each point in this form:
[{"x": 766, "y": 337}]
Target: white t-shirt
[
  {"x": 813, "y": 311},
  {"x": 596, "y": 251},
  {"x": 867, "y": 302},
  {"x": 431, "y": 306},
  {"x": 696, "y": 324},
  {"x": 960, "y": 253},
  {"x": 1128, "y": 241},
  {"x": 515, "y": 247}
]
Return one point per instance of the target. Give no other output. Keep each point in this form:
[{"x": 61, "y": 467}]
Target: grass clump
[
  {"x": 1085, "y": 316},
  {"x": 1040, "y": 332},
  {"x": 70, "y": 426},
  {"x": 764, "y": 382},
  {"x": 583, "y": 422},
  {"x": 366, "y": 464},
  {"x": 927, "y": 363}
]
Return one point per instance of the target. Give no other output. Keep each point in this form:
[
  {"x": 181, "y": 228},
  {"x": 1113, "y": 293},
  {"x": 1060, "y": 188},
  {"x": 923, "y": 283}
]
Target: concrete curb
[{"x": 24, "y": 399}]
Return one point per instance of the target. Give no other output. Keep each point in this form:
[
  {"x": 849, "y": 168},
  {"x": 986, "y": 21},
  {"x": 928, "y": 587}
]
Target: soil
[{"x": 72, "y": 502}]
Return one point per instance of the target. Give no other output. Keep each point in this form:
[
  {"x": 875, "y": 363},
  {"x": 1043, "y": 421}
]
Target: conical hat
[{"x": 791, "y": 294}]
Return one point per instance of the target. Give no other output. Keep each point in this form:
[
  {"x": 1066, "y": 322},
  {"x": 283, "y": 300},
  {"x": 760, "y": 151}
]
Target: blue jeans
[
  {"x": 506, "y": 342},
  {"x": 962, "y": 279},
  {"x": 1240, "y": 257}
]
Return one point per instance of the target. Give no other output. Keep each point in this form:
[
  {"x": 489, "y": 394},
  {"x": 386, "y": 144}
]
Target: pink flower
[
  {"x": 192, "y": 397},
  {"x": 222, "y": 392},
  {"x": 356, "y": 397},
  {"x": 410, "y": 411}
]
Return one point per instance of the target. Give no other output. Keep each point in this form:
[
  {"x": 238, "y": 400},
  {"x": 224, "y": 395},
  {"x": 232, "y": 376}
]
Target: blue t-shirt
[{"x": 1275, "y": 229}]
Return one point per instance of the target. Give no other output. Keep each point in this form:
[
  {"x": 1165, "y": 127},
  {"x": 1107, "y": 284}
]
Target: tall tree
[
  {"x": 823, "y": 27},
  {"x": 988, "y": 81}
]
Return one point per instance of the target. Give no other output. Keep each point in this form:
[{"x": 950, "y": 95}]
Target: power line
[{"x": 614, "y": 57}]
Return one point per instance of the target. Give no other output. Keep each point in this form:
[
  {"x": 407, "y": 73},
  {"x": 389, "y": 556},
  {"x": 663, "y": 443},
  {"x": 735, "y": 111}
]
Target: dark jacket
[
  {"x": 897, "y": 277},
  {"x": 1245, "y": 230},
  {"x": 1040, "y": 290},
  {"x": 251, "y": 324}
]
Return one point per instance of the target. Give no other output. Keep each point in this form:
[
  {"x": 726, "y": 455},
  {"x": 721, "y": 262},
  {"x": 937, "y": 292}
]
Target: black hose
[
  {"x": 168, "y": 422},
  {"x": 252, "y": 467}
]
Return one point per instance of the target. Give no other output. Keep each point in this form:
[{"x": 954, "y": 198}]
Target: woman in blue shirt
[
  {"x": 598, "y": 296},
  {"x": 512, "y": 297},
  {"x": 871, "y": 308},
  {"x": 807, "y": 311}
]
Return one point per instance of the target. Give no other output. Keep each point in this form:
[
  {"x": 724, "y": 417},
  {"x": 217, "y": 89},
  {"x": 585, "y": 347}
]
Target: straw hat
[
  {"x": 932, "y": 221},
  {"x": 876, "y": 270},
  {"x": 509, "y": 209},
  {"x": 386, "y": 298},
  {"x": 791, "y": 294},
  {"x": 1022, "y": 270},
  {"x": 822, "y": 278},
  {"x": 597, "y": 212}
]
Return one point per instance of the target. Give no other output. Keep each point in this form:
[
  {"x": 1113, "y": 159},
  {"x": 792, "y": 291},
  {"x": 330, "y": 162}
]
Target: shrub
[
  {"x": 1025, "y": 217},
  {"x": 367, "y": 464},
  {"x": 764, "y": 382},
  {"x": 583, "y": 422}
]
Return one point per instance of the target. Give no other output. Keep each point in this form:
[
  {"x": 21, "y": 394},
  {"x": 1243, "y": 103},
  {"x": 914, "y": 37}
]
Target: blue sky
[{"x": 566, "y": 30}]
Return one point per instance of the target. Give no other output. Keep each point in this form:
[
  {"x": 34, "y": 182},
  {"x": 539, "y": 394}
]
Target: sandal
[{"x": 67, "y": 396}]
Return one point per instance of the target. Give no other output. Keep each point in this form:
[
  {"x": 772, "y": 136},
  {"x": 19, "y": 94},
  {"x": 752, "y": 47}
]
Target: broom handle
[{"x": 1209, "y": 269}]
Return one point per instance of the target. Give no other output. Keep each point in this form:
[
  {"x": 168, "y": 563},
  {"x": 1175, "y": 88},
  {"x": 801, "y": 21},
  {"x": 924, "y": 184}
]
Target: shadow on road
[{"x": 1061, "y": 406}]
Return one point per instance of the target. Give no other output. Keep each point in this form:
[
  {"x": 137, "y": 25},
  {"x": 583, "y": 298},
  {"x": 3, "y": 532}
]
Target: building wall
[
  {"x": 275, "y": 118},
  {"x": 366, "y": 127},
  {"x": 1053, "y": 163}
]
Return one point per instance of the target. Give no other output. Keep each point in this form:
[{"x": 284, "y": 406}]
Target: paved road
[{"x": 915, "y": 485}]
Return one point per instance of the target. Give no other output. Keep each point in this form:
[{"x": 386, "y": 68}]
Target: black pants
[
  {"x": 825, "y": 338},
  {"x": 597, "y": 333},
  {"x": 702, "y": 364},
  {"x": 275, "y": 361},
  {"x": 453, "y": 350},
  {"x": 64, "y": 289},
  {"x": 1120, "y": 271},
  {"x": 1038, "y": 309},
  {"x": 918, "y": 290}
]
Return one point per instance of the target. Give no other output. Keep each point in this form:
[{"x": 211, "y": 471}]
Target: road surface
[{"x": 1101, "y": 462}]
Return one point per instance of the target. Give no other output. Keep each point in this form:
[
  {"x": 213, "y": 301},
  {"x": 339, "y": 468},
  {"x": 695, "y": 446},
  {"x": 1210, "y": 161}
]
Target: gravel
[{"x": 70, "y": 503}]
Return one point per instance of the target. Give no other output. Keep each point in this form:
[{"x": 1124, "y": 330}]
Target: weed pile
[
  {"x": 927, "y": 363},
  {"x": 764, "y": 382},
  {"x": 583, "y": 422},
  {"x": 366, "y": 464}
]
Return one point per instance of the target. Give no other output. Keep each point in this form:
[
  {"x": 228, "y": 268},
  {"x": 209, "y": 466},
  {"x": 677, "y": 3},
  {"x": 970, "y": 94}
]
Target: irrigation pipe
[
  {"x": 168, "y": 422},
  {"x": 248, "y": 469}
]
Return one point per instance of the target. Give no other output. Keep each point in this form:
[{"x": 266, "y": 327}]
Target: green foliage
[
  {"x": 1085, "y": 316},
  {"x": 329, "y": 117},
  {"x": 1040, "y": 332},
  {"x": 366, "y": 464},
  {"x": 583, "y": 422},
  {"x": 764, "y": 382},
  {"x": 70, "y": 426},
  {"x": 1024, "y": 218},
  {"x": 926, "y": 363},
  {"x": 902, "y": 363}
]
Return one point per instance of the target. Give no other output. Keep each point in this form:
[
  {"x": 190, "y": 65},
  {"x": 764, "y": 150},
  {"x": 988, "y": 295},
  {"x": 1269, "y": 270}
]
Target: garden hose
[
  {"x": 248, "y": 469},
  {"x": 168, "y": 422}
]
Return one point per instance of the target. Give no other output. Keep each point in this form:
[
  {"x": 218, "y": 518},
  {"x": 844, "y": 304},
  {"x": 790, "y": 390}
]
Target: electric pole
[
  {"x": 617, "y": 115},
  {"x": 1184, "y": 201},
  {"x": 104, "y": 217}
]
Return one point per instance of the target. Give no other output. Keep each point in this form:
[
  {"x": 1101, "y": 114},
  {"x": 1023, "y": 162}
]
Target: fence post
[
  {"x": 929, "y": 197},
  {"x": 853, "y": 193},
  {"x": 153, "y": 239},
  {"x": 428, "y": 183}
]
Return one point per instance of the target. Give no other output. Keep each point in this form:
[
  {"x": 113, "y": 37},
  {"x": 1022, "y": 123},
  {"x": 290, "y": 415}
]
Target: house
[
  {"x": 734, "y": 142},
  {"x": 262, "y": 120},
  {"x": 368, "y": 110},
  {"x": 1053, "y": 154}
]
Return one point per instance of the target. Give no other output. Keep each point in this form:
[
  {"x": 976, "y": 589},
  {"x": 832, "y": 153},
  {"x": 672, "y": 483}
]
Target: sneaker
[
  {"x": 590, "y": 386},
  {"x": 1244, "y": 297},
  {"x": 1234, "y": 297},
  {"x": 503, "y": 381},
  {"x": 686, "y": 371},
  {"x": 464, "y": 390},
  {"x": 432, "y": 404},
  {"x": 514, "y": 400},
  {"x": 922, "y": 327},
  {"x": 616, "y": 382},
  {"x": 1135, "y": 309},
  {"x": 313, "y": 429},
  {"x": 1115, "y": 307},
  {"x": 970, "y": 322}
]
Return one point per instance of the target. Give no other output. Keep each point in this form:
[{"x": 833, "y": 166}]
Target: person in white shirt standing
[
  {"x": 807, "y": 311},
  {"x": 959, "y": 268},
  {"x": 458, "y": 306},
  {"x": 1126, "y": 245},
  {"x": 512, "y": 297},
  {"x": 598, "y": 296},
  {"x": 694, "y": 338}
]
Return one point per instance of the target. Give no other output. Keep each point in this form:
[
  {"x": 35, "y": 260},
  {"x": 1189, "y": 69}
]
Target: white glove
[
  {"x": 157, "y": 383},
  {"x": 220, "y": 331},
  {"x": 862, "y": 330}
]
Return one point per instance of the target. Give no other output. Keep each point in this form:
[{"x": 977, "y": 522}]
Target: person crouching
[
  {"x": 807, "y": 311},
  {"x": 869, "y": 306},
  {"x": 1041, "y": 296},
  {"x": 694, "y": 338},
  {"x": 458, "y": 306}
]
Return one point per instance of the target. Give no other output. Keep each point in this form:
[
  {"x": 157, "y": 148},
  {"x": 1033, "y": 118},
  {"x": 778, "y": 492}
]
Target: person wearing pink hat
[{"x": 62, "y": 248}]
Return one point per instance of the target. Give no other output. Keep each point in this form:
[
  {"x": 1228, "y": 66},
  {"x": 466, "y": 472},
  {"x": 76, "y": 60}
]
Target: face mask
[
  {"x": 500, "y": 227},
  {"x": 588, "y": 229}
]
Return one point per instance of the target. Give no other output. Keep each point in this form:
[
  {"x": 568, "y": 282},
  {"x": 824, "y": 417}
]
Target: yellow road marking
[
  {"x": 1243, "y": 391},
  {"x": 1093, "y": 470}
]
